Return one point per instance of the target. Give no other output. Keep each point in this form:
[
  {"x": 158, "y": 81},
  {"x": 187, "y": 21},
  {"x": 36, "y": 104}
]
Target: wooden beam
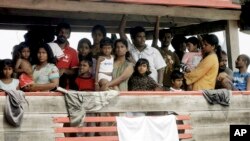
[
  {"x": 232, "y": 40},
  {"x": 120, "y": 8},
  {"x": 195, "y": 29}
]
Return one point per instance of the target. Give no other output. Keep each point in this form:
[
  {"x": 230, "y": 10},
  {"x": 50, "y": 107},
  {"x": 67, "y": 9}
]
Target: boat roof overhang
[{"x": 183, "y": 15}]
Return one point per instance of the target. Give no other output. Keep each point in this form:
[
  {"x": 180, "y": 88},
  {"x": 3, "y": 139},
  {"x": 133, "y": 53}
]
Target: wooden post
[{"x": 232, "y": 40}]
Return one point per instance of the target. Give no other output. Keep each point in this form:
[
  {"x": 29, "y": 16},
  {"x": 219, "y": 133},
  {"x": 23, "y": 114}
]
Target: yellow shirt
[{"x": 204, "y": 75}]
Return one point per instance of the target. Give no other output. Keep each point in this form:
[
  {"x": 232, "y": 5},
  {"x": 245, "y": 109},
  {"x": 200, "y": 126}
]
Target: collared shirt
[{"x": 153, "y": 56}]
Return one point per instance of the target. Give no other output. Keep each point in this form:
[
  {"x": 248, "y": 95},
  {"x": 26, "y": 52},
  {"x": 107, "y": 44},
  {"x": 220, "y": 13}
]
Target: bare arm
[
  {"x": 122, "y": 27},
  {"x": 17, "y": 66},
  {"x": 160, "y": 75},
  {"x": 248, "y": 84},
  {"x": 45, "y": 87},
  {"x": 124, "y": 76},
  {"x": 156, "y": 32}
]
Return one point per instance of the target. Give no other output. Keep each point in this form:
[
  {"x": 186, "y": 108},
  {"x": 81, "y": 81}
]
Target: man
[
  {"x": 165, "y": 36},
  {"x": 225, "y": 74},
  {"x": 140, "y": 50},
  {"x": 68, "y": 64}
]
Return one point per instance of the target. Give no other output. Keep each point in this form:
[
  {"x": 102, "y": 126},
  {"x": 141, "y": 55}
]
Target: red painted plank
[
  {"x": 106, "y": 119},
  {"x": 100, "y": 129}
]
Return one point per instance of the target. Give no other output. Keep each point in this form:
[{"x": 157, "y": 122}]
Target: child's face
[
  {"x": 191, "y": 47},
  {"x": 84, "y": 50},
  {"x": 107, "y": 50},
  {"x": 84, "y": 67},
  {"x": 97, "y": 36},
  {"x": 142, "y": 69},
  {"x": 7, "y": 71},
  {"x": 177, "y": 83},
  {"x": 25, "y": 53}
]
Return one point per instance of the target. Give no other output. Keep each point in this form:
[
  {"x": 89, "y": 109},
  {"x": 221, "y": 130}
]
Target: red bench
[{"x": 107, "y": 129}]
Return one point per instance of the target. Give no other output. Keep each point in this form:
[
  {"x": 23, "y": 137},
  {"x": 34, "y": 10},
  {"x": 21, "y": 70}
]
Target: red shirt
[
  {"x": 85, "y": 84},
  {"x": 70, "y": 59}
]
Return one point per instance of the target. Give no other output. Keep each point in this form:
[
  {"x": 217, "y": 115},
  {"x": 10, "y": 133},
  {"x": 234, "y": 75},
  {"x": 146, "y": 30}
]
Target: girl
[
  {"x": 21, "y": 58},
  {"x": 177, "y": 80},
  {"x": 140, "y": 80},
  {"x": 204, "y": 75},
  {"x": 7, "y": 82},
  {"x": 105, "y": 63},
  {"x": 192, "y": 58},
  {"x": 85, "y": 52},
  {"x": 85, "y": 80}
]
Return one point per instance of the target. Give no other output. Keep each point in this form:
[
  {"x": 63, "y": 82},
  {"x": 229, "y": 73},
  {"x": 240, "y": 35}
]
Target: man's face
[
  {"x": 140, "y": 39},
  {"x": 64, "y": 32},
  {"x": 223, "y": 62},
  {"x": 166, "y": 40}
]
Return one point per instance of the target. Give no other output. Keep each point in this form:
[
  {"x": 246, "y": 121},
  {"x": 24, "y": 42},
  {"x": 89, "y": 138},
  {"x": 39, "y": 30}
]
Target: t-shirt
[
  {"x": 11, "y": 86},
  {"x": 240, "y": 80},
  {"x": 85, "y": 84},
  {"x": 107, "y": 65},
  {"x": 57, "y": 51},
  {"x": 70, "y": 59},
  {"x": 153, "y": 56},
  {"x": 45, "y": 74},
  {"x": 192, "y": 59}
]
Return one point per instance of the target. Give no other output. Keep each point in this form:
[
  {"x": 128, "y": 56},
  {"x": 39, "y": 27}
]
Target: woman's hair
[
  {"x": 141, "y": 62},
  {"x": 123, "y": 41},
  {"x": 17, "y": 50},
  {"x": 245, "y": 58},
  {"x": 214, "y": 41},
  {"x": 5, "y": 63},
  {"x": 90, "y": 55},
  {"x": 176, "y": 74},
  {"x": 100, "y": 28},
  {"x": 194, "y": 41},
  {"x": 50, "y": 55}
]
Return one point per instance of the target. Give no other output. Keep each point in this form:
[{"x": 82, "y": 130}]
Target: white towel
[{"x": 146, "y": 128}]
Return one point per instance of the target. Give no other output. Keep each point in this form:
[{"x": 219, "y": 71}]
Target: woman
[
  {"x": 122, "y": 69},
  {"x": 45, "y": 73},
  {"x": 204, "y": 75}
]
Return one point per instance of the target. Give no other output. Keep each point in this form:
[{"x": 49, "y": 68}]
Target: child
[
  {"x": 105, "y": 63},
  {"x": 21, "y": 59},
  {"x": 85, "y": 52},
  {"x": 177, "y": 80},
  {"x": 192, "y": 58},
  {"x": 85, "y": 80},
  {"x": 140, "y": 79},
  {"x": 7, "y": 82}
]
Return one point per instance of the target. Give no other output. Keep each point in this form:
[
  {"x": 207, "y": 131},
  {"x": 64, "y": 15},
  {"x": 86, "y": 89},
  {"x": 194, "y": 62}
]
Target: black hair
[
  {"x": 214, "y": 41},
  {"x": 90, "y": 55},
  {"x": 141, "y": 61},
  {"x": 100, "y": 28},
  {"x": 89, "y": 61},
  {"x": 177, "y": 40},
  {"x": 134, "y": 31},
  {"x": 176, "y": 74},
  {"x": 17, "y": 49},
  {"x": 223, "y": 52},
  {"x": 50, "y": 55},
  {"x": 245, "y": 58},
  {"x": 123, "y": 41},
  {"x": 6, "y": 63},
  {"x": 62, "y": 25},
  {"x": 83, "y": 40},
  {"x": 163, "y": 32},
  {"x": 106, "y": 41},
  {"x": 194, "y": 41}
]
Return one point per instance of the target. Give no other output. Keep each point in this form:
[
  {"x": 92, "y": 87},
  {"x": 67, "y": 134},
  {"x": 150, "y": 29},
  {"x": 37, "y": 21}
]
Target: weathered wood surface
[{"x": 209, "y": 122}]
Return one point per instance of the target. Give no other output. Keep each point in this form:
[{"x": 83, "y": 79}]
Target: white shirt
[
  {"x": 153, "y": 56},
  {"x": 57, "y": 51},
  {"x": 11, "y": 86}
]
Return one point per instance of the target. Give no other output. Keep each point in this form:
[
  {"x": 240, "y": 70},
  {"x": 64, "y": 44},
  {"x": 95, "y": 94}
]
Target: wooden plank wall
[{"x": 209, "y": 122}]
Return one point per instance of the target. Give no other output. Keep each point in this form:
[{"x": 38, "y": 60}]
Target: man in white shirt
[{"x": 140, "y": 50}]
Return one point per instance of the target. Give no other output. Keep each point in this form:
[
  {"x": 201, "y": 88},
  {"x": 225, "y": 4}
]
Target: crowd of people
[{"x": 121, "y": 64}]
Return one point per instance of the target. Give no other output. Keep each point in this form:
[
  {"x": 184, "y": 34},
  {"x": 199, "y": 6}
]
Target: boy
[{"x": 177, "y": 80}]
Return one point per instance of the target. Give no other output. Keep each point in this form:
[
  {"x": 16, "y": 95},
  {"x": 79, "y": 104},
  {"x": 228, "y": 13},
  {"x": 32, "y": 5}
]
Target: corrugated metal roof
[{"x": 194, "y": 3}]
